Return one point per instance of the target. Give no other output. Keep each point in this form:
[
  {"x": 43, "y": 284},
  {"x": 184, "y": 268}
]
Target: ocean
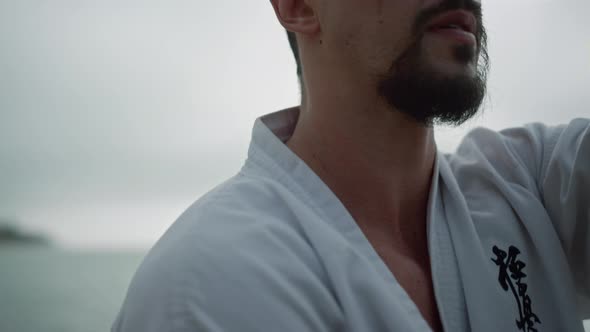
[{"x": 53, "y": 290}]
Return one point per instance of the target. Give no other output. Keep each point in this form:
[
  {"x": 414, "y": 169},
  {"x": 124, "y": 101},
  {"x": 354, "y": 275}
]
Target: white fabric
[{"x": 273, "y": 249}]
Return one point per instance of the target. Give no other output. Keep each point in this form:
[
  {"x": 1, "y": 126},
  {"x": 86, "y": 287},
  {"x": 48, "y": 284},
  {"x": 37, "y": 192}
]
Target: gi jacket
[{"x": 273, "y": 249}]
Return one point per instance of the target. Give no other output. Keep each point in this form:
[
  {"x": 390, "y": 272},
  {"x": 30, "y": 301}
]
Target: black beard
[{"x": 430, "y": 97}]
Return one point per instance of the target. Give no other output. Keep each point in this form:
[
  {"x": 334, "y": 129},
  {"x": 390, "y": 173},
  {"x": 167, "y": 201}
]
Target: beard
[{"x": 416, "y": 89}]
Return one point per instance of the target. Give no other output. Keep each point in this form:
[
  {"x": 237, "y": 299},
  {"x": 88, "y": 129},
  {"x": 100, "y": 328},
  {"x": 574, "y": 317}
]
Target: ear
[{"x": 296, "y": 16}]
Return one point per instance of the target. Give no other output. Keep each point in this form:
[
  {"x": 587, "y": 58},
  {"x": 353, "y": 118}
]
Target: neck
[{"x": 378, "y": 162}]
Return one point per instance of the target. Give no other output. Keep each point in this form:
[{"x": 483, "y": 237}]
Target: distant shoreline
[{"x": 12, "y": 235}]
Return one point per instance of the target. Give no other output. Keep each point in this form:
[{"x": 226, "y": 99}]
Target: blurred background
[{"x": 116, "y": 115}]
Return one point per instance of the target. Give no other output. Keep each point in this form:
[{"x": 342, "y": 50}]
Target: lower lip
[{"x": 456, "y": 35}]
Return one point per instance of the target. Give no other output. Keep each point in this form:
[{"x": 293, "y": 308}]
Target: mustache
[{"x": 447, "y": 5}]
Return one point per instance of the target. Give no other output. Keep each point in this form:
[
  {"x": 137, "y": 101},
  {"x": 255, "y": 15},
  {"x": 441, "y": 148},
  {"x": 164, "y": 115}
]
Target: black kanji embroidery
[{"x": 511, "y": 278}]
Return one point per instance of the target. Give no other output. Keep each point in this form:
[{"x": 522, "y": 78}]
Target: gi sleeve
[
  {"x": 222, "y": 282},
  {"x": 564, "y": 186}
]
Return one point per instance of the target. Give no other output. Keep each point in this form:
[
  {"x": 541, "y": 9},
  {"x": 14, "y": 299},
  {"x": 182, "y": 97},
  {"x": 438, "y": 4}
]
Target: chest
[{"x": 416, "y": 279}]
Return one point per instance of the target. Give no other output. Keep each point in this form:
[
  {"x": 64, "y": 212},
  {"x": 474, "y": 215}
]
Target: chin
[
  {"x": 459, "y": 59},
  {"x": 451, "y": 69}
]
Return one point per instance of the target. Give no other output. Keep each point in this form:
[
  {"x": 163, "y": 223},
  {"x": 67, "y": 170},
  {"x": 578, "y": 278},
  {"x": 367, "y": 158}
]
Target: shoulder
[
  {"x": 518, "y": 154},
  {"x": 234, "y": 245}
]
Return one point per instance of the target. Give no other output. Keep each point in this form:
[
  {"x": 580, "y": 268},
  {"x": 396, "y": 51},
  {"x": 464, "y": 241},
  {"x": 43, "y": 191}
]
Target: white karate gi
[{"x": 273, "y": 249}]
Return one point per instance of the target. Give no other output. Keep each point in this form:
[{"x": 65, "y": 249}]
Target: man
[{"x": 345, "y": 217}]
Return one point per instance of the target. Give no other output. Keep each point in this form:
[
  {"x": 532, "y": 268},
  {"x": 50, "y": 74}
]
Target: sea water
[{"x": 52, "y": 290}]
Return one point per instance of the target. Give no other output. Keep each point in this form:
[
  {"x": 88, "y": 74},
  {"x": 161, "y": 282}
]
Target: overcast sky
[{"x": 116, "y": 115}]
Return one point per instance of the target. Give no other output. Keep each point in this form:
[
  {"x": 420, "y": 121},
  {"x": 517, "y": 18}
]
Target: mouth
[{"x": 459, "y": 21}]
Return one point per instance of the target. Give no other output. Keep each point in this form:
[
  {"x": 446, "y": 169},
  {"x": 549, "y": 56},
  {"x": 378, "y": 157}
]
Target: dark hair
[{"x": 295, "y": 48}]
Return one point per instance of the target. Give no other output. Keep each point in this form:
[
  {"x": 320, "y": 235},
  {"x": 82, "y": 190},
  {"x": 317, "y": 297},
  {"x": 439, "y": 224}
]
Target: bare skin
[{"x": 377, "y": 161}]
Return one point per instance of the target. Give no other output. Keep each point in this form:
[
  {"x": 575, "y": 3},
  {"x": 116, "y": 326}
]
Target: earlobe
[{"x": 296, "y": 16}]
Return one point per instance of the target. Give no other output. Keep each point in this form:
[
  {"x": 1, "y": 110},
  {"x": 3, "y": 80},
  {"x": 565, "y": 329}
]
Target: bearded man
[{"x": 346, "y": 217}]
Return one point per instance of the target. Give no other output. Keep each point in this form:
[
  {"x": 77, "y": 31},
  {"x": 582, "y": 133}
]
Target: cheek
[
  {"x": 372, "y": 37},
  {"x": 379, "y": 57},
  {"x": 389, "y": 40}
]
